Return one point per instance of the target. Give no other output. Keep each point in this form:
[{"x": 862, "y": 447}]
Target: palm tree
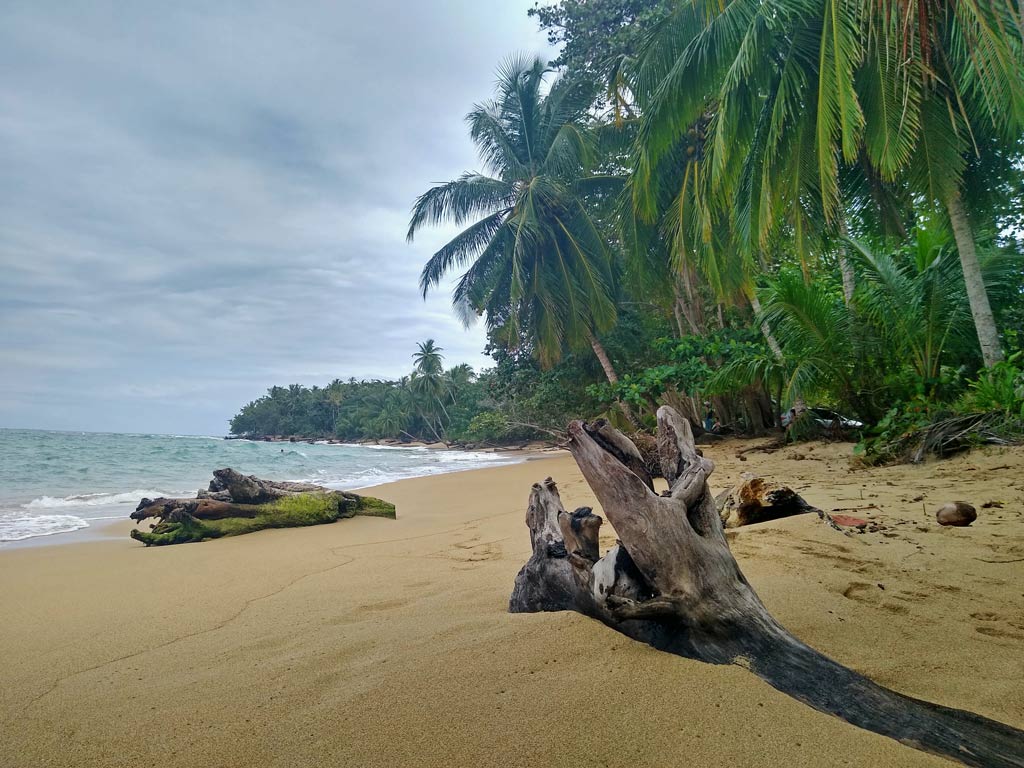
[
  {"x": 918, "y": 304},
  {"x": 794, "y": 92},
  {"x": 393, "y": 418},
  {"x": 429, "y": 386},
  {"x": 961, "y": 88},
  {"x": 428, "y": 359},
  {"x": 537, "y": 265},
  {"x": 815, "y": 328},
  {"x": 457, "y": 379},
  {"x": 743, "y": 80}
]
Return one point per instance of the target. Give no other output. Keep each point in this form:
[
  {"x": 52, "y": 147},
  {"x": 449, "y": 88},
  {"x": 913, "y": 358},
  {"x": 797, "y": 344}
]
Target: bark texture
[
  {"x": 672, "y": 582},
  {"x": 757, "y": 500},
  {"x": 773, "y": 343},
  {"x": 981, "y": 310},
  {"x": 613, "y": 377},
  {"x": 235, "y": 504}
]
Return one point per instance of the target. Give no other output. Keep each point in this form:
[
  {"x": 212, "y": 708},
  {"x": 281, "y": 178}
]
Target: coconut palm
[
  {"x": 429, "y": 386},
  {"x": 799, "y": 90},
  {"x": 536, "y": 265},
  {"x": 428, "y": 359},
  {"x": 962, "y": 88}
]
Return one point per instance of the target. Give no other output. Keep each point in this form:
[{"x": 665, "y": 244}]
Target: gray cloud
[{"x": 201, "y": 200}]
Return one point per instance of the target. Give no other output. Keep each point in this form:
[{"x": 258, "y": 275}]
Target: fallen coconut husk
[{"x": 757, "y": 499}]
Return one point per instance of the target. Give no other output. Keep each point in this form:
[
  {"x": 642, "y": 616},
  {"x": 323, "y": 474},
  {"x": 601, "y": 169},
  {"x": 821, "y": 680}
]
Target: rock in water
[{"x": 956, "y": 513}]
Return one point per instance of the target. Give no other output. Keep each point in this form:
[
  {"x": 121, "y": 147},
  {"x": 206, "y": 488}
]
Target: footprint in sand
[
  {"x": 383, "y": 605},
  {"x": 874, "y": 596},
  {"x": 473, "y": 552},
  {"x": 996, "y": 625}
]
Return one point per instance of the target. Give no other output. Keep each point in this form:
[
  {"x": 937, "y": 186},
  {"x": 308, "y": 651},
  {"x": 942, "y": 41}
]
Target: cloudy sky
[{"x": 200, "y": 200}]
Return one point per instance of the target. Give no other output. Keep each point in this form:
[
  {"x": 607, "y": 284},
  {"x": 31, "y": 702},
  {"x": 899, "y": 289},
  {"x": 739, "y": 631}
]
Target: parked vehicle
[{"x": 825, "y": 418}]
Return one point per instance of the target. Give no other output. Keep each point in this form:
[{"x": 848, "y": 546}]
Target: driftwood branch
[
  {"x": 672, "y": 582},
  {"x": 236, "y": 504}
]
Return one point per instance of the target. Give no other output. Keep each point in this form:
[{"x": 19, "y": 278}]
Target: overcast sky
[{"x": 200, "y": 200}]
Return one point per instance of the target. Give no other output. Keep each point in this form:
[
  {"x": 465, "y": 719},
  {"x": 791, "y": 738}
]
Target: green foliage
[
  {"x": 489, "y": 426},
  {"x": 732, "y": 364},
  {"x": 596, "y": 36},
  {"x": 991, "y": 410},
  {"x": 759, "y": 219},
  {"x": 885, "y": 443},
  {"x": 999, "y": 388},
  {"x": 430, "y": 404}
]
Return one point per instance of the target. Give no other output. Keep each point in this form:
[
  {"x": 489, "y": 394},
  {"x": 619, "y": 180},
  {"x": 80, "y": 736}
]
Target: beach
[{"x": 372, "y": 642}]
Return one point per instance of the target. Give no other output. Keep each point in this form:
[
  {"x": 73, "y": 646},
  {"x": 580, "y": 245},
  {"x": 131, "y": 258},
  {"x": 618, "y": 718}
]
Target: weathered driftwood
[
  {"x": 236, "y": 504},
  {"x": 672, "y": 582},
  {"x": 756, "y": 500}
]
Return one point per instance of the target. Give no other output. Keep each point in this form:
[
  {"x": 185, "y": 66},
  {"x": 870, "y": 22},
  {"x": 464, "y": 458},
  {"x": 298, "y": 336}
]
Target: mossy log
[
  {"x": 236, "y": 504},
  {"x": 672, "y": 582}
]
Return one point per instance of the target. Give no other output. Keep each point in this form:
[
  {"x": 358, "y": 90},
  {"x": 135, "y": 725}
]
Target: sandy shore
[{"x": 386, "y": 643}]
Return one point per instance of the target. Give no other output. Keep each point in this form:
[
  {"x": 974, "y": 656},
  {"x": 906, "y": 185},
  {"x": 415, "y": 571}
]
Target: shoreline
[
  {"x": 372, "y": 642},
  {"x": 102, "y": 529}
]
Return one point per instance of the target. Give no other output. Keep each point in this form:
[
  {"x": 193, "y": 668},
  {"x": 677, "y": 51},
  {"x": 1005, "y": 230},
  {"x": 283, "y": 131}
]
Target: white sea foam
[
  {"x": 96, "y": 499},
  {"x": 19, "y": 527},
  {"x": 44, "y": 467}
]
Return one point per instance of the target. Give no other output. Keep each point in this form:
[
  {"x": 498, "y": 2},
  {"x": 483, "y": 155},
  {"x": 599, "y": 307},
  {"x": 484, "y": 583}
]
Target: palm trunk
[
  {"x": 694, "y": 313},
  {"x": 612, "y": 376},
  {"x": 981, "y": 310},
  {"x": 680, "y": 328},
  {"x": 683, "y": 309},
  {"x": 849, "y": 283},
  {"x": 602, "y": 357},
  {"x": 773, "y": 343}
]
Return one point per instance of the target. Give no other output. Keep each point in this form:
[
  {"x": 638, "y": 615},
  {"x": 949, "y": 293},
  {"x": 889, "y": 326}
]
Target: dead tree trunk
[
  {"x": 672, "y": 582},
  {"x": 235, "y": 504}
]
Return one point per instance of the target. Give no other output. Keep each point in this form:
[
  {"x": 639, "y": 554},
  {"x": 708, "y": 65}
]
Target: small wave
[
  {"x": 373, "y": 447},
  {"x": 20, "y": 527},
  {"x": 94, "y": 499},
  {"x": 462, "y": 457}
]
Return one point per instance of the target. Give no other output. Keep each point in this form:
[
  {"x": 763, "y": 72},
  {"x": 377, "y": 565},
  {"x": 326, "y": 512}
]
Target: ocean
[{"x": 59, "y": 482}]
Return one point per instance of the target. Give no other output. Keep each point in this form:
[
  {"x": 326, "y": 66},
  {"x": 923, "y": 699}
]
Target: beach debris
[
  {"x": 235, "y": 504},
  {"x": 670, "y": 581},
  {"x": 756, "y": 499},
  {"x": 850, "y": 521},
  {"x": 958, "y": 513}
]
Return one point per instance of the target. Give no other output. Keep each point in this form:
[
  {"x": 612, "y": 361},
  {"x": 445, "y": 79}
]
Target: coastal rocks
[
  {"x": 235, "y": 504},
  {"x": 958, "y": 513}
]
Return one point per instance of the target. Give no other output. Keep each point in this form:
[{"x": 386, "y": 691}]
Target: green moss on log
[{"x": 294, "y": 511}]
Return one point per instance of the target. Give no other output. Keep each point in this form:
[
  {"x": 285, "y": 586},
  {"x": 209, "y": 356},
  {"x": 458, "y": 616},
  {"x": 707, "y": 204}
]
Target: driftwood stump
[
  {"x": 672, "y": 582},
  {"x": 236, "y": 504}
]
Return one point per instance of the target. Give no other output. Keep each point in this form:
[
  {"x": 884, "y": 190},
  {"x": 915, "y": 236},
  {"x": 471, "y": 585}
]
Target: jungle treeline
[{"x": 738, "y": 208}]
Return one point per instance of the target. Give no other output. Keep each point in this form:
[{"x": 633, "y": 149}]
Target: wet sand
[{"x": 373, "y": 642}]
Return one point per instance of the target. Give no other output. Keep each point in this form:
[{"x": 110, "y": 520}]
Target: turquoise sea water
[{"x": 59, "y": 482}]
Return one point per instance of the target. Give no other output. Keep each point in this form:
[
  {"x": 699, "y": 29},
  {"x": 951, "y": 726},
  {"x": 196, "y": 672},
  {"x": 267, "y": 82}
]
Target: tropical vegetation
[{"x": 738, "y": 208}]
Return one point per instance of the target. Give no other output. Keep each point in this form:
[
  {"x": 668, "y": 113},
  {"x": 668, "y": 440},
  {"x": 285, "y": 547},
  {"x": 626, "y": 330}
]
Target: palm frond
[{"x": 469, "y": 196}]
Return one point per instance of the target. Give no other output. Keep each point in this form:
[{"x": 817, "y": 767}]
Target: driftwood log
[
  {"x": 672, "y": 582},
  {"x": 236, "y": 503}
]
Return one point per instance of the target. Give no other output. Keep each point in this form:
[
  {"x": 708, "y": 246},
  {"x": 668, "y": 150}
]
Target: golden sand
[{"x": 373, "y": 642}]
